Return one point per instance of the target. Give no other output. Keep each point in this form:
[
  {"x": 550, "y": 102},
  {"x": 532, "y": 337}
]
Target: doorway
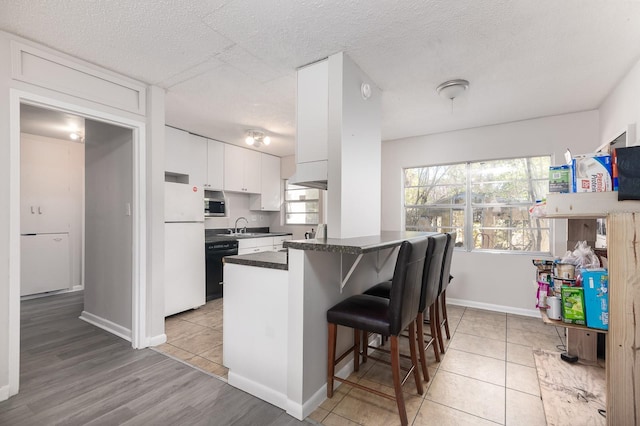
[{"x": 114, "y": 236}]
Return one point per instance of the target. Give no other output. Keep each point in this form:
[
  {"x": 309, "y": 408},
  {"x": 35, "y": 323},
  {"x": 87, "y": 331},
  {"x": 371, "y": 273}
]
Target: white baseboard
[
  {"x": 259, "y": 390},
  {"x": 157, "y": 340},
  {"x": 496, "y": 308},
  {"x": 4, "y": 393},
  {"x": 52, "y": 293},
  {"x": 106, "y": 325}
]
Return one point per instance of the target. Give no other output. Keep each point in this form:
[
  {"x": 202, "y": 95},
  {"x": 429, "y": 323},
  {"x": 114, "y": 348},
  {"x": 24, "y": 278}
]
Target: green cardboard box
[{"x": 573, "y": 311}]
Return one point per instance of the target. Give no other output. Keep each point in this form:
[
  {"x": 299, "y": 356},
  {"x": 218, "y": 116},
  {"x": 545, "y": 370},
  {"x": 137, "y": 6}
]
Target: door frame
[{"x": 139, "y": 338}]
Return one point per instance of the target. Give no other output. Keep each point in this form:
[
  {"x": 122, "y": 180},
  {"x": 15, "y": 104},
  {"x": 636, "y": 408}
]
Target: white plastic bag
[{"x": 582, "y": 256}]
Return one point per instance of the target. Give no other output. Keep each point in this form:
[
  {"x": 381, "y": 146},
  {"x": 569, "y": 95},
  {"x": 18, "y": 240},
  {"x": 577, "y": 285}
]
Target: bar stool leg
[
  {"x": 331, "y": 358},
  {"x": 439, "y": 325},
  {"x": 397, "y": 385},
  {"x": 413, "y": 340},
  {"x": 356, "y": 350},
  {"x": 444, "y": 313},
  {"x": 420, "y": 340},
  {"x": 434, "y": 332}
]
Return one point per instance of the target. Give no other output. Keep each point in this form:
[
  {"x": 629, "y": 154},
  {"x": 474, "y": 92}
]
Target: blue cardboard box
[{"x": 596, "y": 297}]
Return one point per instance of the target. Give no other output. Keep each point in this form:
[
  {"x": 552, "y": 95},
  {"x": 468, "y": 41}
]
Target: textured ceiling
[{"x": 229, "y": 65}]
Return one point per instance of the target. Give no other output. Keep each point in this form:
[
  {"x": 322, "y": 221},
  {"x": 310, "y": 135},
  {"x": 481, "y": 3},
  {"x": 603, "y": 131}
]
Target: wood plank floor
[{"x": 72, "y": 373}]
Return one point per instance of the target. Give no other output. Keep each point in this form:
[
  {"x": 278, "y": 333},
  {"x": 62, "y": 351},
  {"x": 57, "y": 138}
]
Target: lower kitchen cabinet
[
  {"x": 44, "y": 263},
  {"x": 256, "y": 245}
]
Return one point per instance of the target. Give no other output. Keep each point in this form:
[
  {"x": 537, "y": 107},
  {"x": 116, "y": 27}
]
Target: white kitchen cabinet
[
  {"x": 197, "y": 169},
  {"x": 44, "y": 263},
  {"x": 312, "y": 121},
  {"x": 269, "y": 198},
  {"x": 277, "y": 241},
  {"x": 46, "y": 201},
  {"x": 241, "y": 170},
  {"x": 177, "y": 151},
  {"x": 215, "y": 165},
  {"x": 255, "y": 245}
]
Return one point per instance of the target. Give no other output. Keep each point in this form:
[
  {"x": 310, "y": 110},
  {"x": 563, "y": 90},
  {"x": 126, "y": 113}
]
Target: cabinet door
[
  {"x": 176, "y": 151},
  {"x": 45, "y": 200},
  {"x": 198, "y": 164},
  {"x": 312, "y": 113},
  {"x": 252, "y": 167},
  {"x": 234, "y": 168},
  {"x": 271, "y": 183},
  {"x": 215, "y": 165},
  {"x": 44, "y": 263},
  {"x": 269, "y": 198}
]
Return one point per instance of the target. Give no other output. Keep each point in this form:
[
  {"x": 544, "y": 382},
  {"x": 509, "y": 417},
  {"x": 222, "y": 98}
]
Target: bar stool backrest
[
  {"x": 406, "y": 284},
  {"x": 432, "y": 270},
  {"x": 446, "y": 263}
]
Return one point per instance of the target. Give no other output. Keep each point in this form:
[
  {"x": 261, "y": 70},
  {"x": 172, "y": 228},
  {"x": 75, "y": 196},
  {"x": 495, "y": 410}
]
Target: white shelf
[{"x": 588, "y": 205}]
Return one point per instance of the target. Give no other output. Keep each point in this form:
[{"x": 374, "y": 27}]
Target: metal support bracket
[{"x": 353, "y": 268}]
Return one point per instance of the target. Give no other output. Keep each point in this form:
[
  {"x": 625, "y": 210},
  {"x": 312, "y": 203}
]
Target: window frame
[
  {"x": 469, "y": 206},
  {"x": 286, "y": 202}
]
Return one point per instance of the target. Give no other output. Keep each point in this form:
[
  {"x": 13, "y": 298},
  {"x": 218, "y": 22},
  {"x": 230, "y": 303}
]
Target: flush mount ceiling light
[
  {"x": 453, "y": 88},
  {"x": 257, "y": 138}
]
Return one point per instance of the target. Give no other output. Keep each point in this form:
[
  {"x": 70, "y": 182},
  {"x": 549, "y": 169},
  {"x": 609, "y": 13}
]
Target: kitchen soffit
[{"x": 230, "y": 65}]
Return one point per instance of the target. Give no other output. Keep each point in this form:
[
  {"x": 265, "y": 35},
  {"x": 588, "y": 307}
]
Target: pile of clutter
[{"x": 574, "y": 288}]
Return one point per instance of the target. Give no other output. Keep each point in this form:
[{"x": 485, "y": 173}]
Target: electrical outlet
[
  {"x": 253, "y": 218},
  {"x": 261, "y": 218}
]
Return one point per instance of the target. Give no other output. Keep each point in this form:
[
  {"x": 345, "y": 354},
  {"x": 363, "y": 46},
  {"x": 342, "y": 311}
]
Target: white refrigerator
[{"x": 184, "y": 254}]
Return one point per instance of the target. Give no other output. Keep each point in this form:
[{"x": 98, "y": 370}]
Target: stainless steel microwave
[{"x": 214, "y": 207}]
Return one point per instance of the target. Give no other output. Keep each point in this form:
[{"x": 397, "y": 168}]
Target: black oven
[
  {"x": 214, "y": 252},
  {"x": 214, "y": 207}
]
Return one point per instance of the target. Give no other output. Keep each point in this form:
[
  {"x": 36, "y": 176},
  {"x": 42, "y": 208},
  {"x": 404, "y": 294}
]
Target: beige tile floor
[
  {"x": 196, "y": 337},
  {"x": 486, "y": 377}
]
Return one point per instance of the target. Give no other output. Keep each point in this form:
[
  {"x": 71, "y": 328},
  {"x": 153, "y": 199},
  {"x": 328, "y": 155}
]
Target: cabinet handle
[
  {"x": 39, "y": 210},
  {"x": 33, "y": 211}
]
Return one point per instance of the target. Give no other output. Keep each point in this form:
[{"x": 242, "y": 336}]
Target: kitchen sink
[{"x": 247, "y": 234}]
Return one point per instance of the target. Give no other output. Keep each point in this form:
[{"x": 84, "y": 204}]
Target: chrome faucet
[{"x": 246, "y": 222}]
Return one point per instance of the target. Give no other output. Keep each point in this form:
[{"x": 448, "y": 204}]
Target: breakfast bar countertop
[{"x": 358, "y": 245}]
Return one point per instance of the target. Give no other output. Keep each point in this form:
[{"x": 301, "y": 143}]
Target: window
[
  {"x": 486, "y": 203},
  {"x": 302, "y": 205}
]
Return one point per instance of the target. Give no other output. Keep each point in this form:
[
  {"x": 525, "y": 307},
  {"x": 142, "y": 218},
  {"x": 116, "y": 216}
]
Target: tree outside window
[{"x": 486, "y": 203}]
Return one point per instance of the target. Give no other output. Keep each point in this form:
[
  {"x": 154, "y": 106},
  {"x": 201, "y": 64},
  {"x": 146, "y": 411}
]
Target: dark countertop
[
  {"x": 264, "y": 259},
  {"x": 235, "y": 237},
  {"x": 358, "y": 245}
]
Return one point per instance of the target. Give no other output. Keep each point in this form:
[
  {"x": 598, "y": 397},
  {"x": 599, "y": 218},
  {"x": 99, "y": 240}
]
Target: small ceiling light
[
  {"x": 257, "y": 138},
  {"x": 74, "y": 136},
  {"x": 453, "y": 88}
]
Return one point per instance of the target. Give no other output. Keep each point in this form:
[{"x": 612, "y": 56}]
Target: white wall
[
  {"x": 109, "y": 239},
  {"x": 238, "y": 206},
  {"x": 76, "y": 99},
  {"x": 498, "y": 281},
  {"x": 621, "y": 107}
]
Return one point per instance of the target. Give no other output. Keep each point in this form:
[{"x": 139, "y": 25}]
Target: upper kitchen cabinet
[
  {"x": 177, "y": 153},
  {"x": 207, "y": 163},
  {"x": 241, "y": 170},
  {"x": 269, "y": 197},
  {"x": 215, "y": 165},
  {"x": 46, "y": 200},
  {"x": 312, "y": 113}
]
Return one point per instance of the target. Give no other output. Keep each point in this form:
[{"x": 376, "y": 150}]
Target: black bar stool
[
  {"x": 388, "y": 317},
  {"x": 445, "y": 279},
  {"x": 428, "y": 298}
]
